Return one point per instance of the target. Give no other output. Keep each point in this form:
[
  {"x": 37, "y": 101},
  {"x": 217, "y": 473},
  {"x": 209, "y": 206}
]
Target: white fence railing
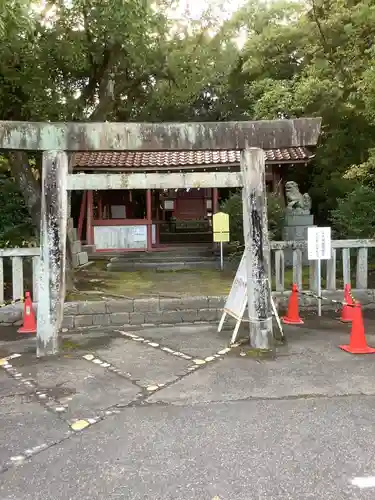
[
  {"x": 17, "y": 257},
  {"x": 341, "y": 250}
]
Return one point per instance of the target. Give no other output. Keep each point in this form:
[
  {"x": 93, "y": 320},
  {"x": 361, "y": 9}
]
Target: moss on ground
[
  {"x": 96, "y": 282},
  {"x": 260, "y": 353}
]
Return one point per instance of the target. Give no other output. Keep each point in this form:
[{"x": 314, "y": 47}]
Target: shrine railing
[
  {"x": 193, "y": 226},
  {"x": 351, "y": 263},
  {"x": 18, "y": 272}
]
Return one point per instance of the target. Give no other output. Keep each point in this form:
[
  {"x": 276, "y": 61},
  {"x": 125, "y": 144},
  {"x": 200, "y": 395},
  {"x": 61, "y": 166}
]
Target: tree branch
[{"x": 325, "y": 44}]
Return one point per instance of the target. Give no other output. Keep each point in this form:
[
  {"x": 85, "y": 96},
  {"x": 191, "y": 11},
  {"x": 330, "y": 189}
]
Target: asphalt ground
[{"x": 171, "y": 413}]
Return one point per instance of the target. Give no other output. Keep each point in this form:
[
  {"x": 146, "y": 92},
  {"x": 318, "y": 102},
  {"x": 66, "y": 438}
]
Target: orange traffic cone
[
  {"x": 29, "y": 321},
  {"x": 292, "y": 317},
  {"x": 347, "y": 310},
  {"x": 357, "y": 342}
]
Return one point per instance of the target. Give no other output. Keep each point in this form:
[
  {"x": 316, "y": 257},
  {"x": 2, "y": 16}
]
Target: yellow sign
[
  {"x": 221, "y": 237},
  {"x": 220, "y": 224}
]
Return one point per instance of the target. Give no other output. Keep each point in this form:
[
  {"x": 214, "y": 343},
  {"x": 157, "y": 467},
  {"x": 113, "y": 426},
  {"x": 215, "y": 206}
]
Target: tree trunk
[
  {"x": 30, "y": 187},
  {"x": 29, "y": 184}
]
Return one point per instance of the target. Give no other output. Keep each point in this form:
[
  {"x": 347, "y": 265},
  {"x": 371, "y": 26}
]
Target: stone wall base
[{"x": 157, "y": 311}]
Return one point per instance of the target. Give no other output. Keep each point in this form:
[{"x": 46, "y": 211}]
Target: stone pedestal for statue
[
  {"x": 295, "y": 229},
  {"x": 297, "y": 219}
]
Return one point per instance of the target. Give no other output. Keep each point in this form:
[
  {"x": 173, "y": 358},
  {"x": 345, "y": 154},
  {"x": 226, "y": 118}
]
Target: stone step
[
  {"x": 162, "y": 266},
  {"x": 183, "y": 253},
  {"x": 185, "y": 238},
  {"x": 80, "y": 259},
  {"x": 88, "y": 248},
  {"x": 157, "y": 258}
]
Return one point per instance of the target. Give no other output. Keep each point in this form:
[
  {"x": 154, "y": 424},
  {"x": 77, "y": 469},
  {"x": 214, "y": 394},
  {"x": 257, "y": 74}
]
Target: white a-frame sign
[{"x": 236, "y": 302}]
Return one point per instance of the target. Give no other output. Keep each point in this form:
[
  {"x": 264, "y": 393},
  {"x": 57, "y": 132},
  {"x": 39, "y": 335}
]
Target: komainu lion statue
[{"x": 297, "y": 203}]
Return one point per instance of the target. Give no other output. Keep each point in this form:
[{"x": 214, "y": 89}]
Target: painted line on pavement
[
  {"x": 197, "y": 362},
  {"x": 364, "y": 482},
  {"x": 27, "y": 454},
  {"x": 5, "y": 361},
  {"x": 155, "y": 345},
  {"x": 41, "y": 396},
  {"x": 128, "y": 376}
]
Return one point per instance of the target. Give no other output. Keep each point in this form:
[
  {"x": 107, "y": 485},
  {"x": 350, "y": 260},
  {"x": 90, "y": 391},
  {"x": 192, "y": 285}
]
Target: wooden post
[
  {"x": 82, "y": 215},
  {"x": 54, "y": 208},
  {"x": 331, "y": 271},
  {"x": 276, "y": 177},
  {"x": 89, "y": 217},
  {"x": 257, "y": 249},
  {"x": 100, "y": 206},
  {"x": 346, "y": 266},
  {"x": 215, "y": 200},
  {"x": 362, "y": 269},
  {"x": 280, "y": 270},
  {"x": 1, "y": 281},
  {"x": 17, "y": 277},
  {"x": 149, "y": 219}
]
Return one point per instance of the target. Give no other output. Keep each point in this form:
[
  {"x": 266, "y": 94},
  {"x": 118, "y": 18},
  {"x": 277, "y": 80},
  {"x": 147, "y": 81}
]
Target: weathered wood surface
[
  {"x": 120, "y": 237},
  {"x": 257, "y": 248},
  {"x": 278, "y": 267},
  {"x": 154, "y": 181},
  {"x": 346, "y": 266},
  {"x": 35, "y": 268},
  {"x": 331, "y": 271},
  {"x": 362, "y": 269},
  {"x": 266, "y": 134},
  {"x": 51, "y": 291},
  {"x": 274, "y": 245},
  {"x": 313, "y": 275},
  {"x": 282, "y": 245},
  {"x": 19, "y": 252},
  {"x": 17, "y": 277},
  {"x": 297, "y": 268},
  {"x": 279, "y": 270},
  {"x": 1, "y": 280}
]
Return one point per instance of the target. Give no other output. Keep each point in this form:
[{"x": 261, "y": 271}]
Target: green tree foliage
[
  {"x": 275, "y": 210},
  {"x": 316, "y": 59},
  {"x": 354, "y": 216},
  {"x": 99, "y": 60},
  {"x": 15, "y": 221},
  {"x": 132, "y": 61}
]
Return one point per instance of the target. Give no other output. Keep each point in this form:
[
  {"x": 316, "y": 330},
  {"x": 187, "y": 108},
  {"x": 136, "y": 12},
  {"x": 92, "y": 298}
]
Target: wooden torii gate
[{"x": 56, "y": 140}]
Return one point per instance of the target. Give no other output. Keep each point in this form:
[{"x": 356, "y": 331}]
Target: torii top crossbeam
[{"x": 76, "y": 136}]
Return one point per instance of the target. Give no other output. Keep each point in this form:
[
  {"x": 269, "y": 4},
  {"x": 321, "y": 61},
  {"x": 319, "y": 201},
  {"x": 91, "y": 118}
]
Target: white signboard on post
[
  {"x": 318, "y": 243},
  {"x": 319, "y": 248}
]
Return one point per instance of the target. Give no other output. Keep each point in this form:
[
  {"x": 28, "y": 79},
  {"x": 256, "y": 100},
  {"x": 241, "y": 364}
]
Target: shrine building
[{"x": 153, "y": 220}]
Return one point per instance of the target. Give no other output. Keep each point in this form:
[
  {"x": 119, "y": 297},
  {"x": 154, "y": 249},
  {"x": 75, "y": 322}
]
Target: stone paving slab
[
  {"x": 197, "y": 340},
  {"x": 25, "y": 425},
  {"x": 271, "y": 450},
  {"x": 146, "y": 365},
  {"x": 83, "y": 387},
  {"x": 305, "y": 367},
  {"x": 9, "y": 387},
  {"x": 323, "y": 335}
]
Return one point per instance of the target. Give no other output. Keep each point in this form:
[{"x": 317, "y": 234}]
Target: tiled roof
[{"x": 165, "y": 159}]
